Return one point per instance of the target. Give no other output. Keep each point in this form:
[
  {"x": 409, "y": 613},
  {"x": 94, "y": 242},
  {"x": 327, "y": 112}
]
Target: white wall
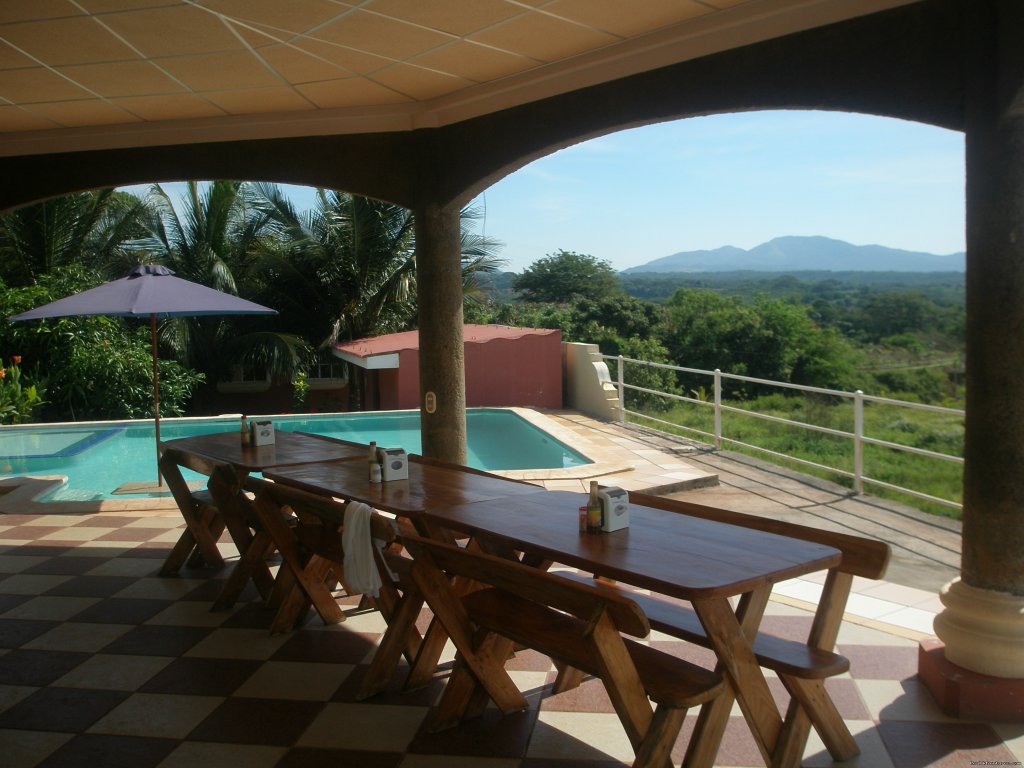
[{"x": 588, "y": 384}]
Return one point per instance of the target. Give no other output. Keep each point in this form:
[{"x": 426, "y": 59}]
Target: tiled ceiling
[{"x": 120, "y": 72}]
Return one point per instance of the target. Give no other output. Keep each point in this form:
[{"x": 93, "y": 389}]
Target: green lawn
[{"x": 938, "y": 432}]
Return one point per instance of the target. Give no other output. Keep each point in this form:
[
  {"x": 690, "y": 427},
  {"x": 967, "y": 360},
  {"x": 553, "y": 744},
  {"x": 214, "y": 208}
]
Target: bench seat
[
  {"x": 668, "y": 680},
  {"x": 790, "y": 657},
  {"x": 489, "y": 605}
]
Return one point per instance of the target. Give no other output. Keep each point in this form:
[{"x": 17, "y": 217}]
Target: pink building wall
[{"x": 521, "y": 371}]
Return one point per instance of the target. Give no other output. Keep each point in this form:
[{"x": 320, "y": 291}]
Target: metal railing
[{"x": 857, "y": 436}]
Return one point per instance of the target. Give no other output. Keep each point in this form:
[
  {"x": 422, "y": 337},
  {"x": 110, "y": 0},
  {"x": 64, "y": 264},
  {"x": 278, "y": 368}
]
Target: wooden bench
[
  {"x": 578, "y": 625},
  {"x": 204, "y": 524},
  {"x": 792, "y": 657},
  {"x": 307, "y": 531},
  {"x": 802, "y": 666}
]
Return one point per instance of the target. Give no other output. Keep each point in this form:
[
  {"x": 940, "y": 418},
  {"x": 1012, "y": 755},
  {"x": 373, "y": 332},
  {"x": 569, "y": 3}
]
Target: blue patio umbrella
[{"x": 149, "y": 290}]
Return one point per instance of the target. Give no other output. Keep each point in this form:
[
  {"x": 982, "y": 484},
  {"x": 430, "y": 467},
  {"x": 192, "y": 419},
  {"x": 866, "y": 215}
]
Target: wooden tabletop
[
  {"x": 429, "y": 485},
  {"x": 665, "y": 552},
  {"x": 288, "y": 448}
]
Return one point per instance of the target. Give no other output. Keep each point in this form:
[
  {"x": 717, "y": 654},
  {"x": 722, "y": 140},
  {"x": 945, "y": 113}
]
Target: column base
[{"x": 965, "y": 694}]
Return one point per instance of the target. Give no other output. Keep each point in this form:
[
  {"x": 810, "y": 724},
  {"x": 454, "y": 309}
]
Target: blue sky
[{"x": 738, "y": 179}]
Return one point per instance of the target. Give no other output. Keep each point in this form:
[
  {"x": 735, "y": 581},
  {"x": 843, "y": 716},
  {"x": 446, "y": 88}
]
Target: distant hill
[{"x": 790, "y": 254}]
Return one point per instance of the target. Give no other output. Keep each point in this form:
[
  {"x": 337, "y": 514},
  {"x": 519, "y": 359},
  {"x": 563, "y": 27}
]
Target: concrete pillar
[
  {"x": 980, "y": 669},
  {"x": 442, "y": 354}
]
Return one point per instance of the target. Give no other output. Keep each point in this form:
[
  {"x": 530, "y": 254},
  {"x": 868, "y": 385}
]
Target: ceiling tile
[
  {"x": 297, "y": 66},
  {"x": 175, "y": 31},
  {"x": 17, "y": 119},
  {"x": 174, "y": 107},
  {"x": 67, "y": 41},
  {"x": 74, "y": 114},
  {"x": 125, "y": 78},
  {"x": 642, "y": 17},
  {"x": 360, "y": 62},
  {"x": 110, "y": 6},
  {"x": 242, "y": 102},
  {"x": 221, "y": 71},
  {"x": 291, "y": 16},
  {"x": 141, "y": 57},
  {"x": 543, "y": 37},
  {"x": 391, "y": 39},
  {"x": 37, "y": 9},
  {"x": 32, "y": 86},
  {"x": 474, "y": 62},
  {"x": 421, "y": 84},
  {"x": 455, "y": 17},
  {"x": 353, "y": 92},
  {"x": 11, "y": 58}
]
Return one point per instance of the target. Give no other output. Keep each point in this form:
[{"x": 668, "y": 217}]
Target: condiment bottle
[
  {"x": 373, "y": 464},
  {"x": 594, "y": 514},
  {"x": 243, "y": 433}
]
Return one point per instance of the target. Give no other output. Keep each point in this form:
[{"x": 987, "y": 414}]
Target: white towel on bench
[{"x": 360, "y": 569}]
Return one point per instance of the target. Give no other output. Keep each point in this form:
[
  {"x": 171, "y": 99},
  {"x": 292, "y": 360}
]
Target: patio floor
[{"x": 102, "y": 662}]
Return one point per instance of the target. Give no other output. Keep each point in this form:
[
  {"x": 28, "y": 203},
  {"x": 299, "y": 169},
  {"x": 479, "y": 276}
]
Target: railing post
[
  {"x": 858, "y": 443},
  {"x": 718, "y": 409},
  {"x": 622, "y": 390}
]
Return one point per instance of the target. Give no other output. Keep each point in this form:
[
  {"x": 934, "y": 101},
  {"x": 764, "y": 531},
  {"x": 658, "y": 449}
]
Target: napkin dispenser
[
  {"x": 615, "y": 506},
  {"x": 394, "y": 464},
  {"x": 262, "y": 433}
]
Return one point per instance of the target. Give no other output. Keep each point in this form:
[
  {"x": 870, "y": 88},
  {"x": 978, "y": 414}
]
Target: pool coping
[{"x": 20, "y": 494}]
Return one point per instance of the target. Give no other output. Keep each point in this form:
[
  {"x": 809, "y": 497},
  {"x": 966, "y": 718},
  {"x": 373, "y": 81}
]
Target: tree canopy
[{"x": 565, "y": 274}]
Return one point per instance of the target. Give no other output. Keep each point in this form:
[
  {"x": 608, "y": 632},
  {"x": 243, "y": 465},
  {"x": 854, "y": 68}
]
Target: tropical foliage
[
  {"x": 563, "y": 275},
  {"x": 91, "y": 229},
  {"x": 93, "y": 367},
  {"x": 212, "y": 242},
  {"x": 344, "y": 270},
  {"x": 18, "y": 398}
]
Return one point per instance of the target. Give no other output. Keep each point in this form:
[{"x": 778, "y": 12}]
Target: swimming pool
[{"x": 100, "y": 457}]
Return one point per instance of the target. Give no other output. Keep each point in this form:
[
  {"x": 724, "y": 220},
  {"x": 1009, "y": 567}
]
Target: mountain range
[{"x": 795, "y": 254}]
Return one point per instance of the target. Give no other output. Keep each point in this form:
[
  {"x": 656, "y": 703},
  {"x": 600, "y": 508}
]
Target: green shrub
[{"x": 18, "y": 399}]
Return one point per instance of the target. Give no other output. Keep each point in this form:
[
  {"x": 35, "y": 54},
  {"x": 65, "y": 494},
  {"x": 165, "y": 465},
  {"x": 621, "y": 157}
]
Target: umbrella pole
[{"x": 156, "y": 396}]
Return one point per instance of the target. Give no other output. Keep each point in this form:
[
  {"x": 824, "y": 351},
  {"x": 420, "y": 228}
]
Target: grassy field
[{"x": 938, "y": 432}]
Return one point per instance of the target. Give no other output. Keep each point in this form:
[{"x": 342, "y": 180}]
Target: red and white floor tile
[{"x": 104, "y": 663}]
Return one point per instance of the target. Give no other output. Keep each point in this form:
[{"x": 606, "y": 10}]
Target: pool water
[{"x": 98, "y": 458}]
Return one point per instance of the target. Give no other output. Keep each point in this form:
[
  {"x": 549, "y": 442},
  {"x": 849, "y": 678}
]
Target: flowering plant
[{"x": 17, "y": 398}]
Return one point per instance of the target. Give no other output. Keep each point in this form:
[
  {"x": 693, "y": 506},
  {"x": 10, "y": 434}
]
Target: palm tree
[
  {"x": 92, "y": 229},
  {"x": 347, "y": 269},
  {"x": 479, "y": 257},
  {"x": 211, "y": 242}
]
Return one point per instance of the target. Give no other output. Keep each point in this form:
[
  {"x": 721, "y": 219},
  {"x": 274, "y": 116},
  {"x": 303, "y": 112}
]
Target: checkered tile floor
[{"x": 104, "y": 663}]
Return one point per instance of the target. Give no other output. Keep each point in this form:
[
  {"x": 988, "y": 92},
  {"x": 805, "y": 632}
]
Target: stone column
[
  {"x": 980, "y": 669},
  {"x": 442, "y": 354}
]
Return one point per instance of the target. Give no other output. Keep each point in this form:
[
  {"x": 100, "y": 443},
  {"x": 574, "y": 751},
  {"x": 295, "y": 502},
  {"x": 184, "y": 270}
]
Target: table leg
[
  {"x": 486, "y": 669},
  {"x": 728, "y": 633},
  {"x": 215, "y": 525},
  {"x": 811, "y": 704},
  {"x": 201, "y": 525},
  {"x": 225, "y": 488},
  {"x": 434, "y": 640},
  {"x": 309, "y": 572},
  {"x": 401, "y": 625}
]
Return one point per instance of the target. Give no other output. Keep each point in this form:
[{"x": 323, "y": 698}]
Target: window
[{"x": 246, "y": 378}]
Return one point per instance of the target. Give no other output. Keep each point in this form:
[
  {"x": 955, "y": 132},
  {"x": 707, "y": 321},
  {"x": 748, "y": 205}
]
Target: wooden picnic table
[
  {"x": 288, "y": 448},
  {"x": 228, "y": 506},
  {"x": 704, "y": 561},
  {"x": 431, "y": 483}
]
